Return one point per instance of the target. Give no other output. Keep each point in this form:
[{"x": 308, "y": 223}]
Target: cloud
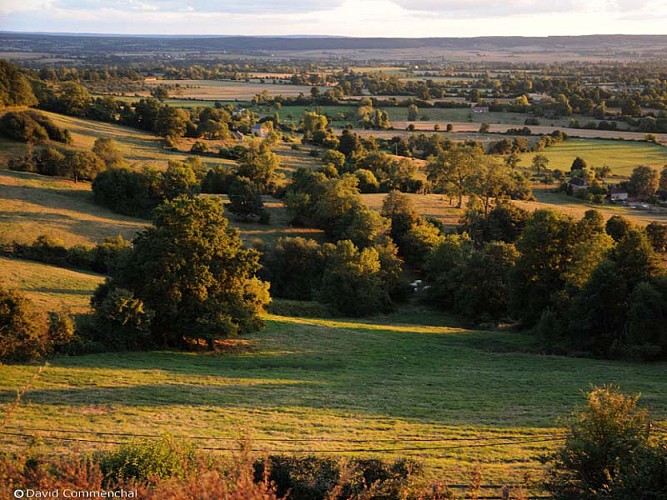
[{"x": 204, "y": 6}]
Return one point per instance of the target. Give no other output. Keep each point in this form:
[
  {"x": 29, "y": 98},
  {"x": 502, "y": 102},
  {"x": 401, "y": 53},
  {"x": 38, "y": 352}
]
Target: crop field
[
  {"x": 620, "y": 156},
  {"x": 226, "y": 90},
  {"x": 31, "y": 205},
  {"x": 412, "y": 383},
  {"x": 50, "y": 288}
]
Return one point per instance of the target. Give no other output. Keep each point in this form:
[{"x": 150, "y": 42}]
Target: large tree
[
  {"x": 453, "y": 171},
  {"x": 192, "y": 270},
  {"x": 643, "y": 181}
]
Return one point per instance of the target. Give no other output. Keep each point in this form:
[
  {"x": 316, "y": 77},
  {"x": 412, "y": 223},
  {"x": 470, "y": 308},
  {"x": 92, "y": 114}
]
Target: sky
[{"x": 362, "y": 18}]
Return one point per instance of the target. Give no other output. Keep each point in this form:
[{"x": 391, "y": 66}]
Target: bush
[
  {"x": 31, "y": 126},
  {"x": 314, "y": 478},
  {"x": 148, "y": 460},
  {"x": 608, "y": 452},
  {"x": 121, "y": 320},
  {"x": 22, "y": 331}
]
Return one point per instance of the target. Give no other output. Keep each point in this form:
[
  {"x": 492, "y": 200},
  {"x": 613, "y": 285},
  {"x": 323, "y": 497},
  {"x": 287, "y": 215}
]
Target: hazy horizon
[{"x": 349, "y": 18}]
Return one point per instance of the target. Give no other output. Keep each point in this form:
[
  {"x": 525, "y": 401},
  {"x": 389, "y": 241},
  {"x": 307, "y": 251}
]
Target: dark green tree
[{"x": 192, "y": 270}]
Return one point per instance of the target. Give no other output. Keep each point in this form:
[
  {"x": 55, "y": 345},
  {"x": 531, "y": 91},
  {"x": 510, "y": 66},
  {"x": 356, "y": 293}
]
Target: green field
[
  {"x": 620, "y": 156},
  {"x": 31, "y": 205},
  {"x": 381, "y": 384},
  {"x": 50, "y": 288}
]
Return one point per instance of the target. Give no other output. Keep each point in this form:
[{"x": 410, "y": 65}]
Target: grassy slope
[
  {"x": 50, "y": 288},
  {"x": 32, "y": 204},
  {"x": 390, "y": 378}
]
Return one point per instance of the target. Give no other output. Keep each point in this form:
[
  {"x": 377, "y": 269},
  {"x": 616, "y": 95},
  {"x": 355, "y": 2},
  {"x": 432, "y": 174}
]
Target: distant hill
[{"x": 651, "y": 46}]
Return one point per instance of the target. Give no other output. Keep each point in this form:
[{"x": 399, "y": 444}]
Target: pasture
[
  {"x": 413, "y": 383},
  {"x": 620, "y": 156},
  {"x": 50, "y": 288},
  {"x": 31, "y": 205}
]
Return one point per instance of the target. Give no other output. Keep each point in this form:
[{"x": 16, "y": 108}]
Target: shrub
[
  {"x": 148, "y": 459},
  {"x": 22, "y": 330},
  {"x": 608, "y": 452}
]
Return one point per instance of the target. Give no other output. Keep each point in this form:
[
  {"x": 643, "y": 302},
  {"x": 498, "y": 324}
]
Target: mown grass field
[
  {"x": 137, "y": 146},
  {"x": 620, "y": 156},
  {"x": 31, "y": 205},
  {"x": 50, "y": 288},
  {"x": 383, "y": 384}
]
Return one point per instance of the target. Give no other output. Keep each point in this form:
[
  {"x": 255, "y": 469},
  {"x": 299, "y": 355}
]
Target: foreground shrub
[
  {"x": 315, "y": 478},
  {"x": 149, "y": 459},
  {"x": 609, "y": 452}
]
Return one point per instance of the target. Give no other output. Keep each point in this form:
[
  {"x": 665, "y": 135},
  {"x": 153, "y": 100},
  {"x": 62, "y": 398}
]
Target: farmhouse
[
  {"x": 577, "y": 184},
  {"x": 238, "y": 135},
  {"x": 480, "y": 109},
  {"x": 260, "y": 130},
  {"x": 617, "y": 194}
]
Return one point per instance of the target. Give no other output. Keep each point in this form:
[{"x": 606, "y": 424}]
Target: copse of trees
[
  {"x": 32, "y": 127},
  {"x": 138, "y": 192},
  {"x": 15, "y": 88},
  {"x": 350, "y": 280},
  {"x": 188, "y": 278}
]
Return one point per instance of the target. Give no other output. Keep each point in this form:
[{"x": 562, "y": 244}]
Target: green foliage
[
  {"x": 179, "y": 179},
  {"x": 32, "y": 126},
  {"x": 22, "y": 332},
  {"x": 246, "y": 200},
  {"x": 259, "y": 165},
  {"x": 609, "y": 452},
  {"x": 353, "y": 281},
  {"x": 82, "y": 165},
  {"x": 192, "y": 270},
  {"x": 505, "y": 222},
  {"x": 557, "y": 256},
  {"x": 107, "y": 150},
  {"x": 128, "y": 191},
  {"x": 617, "y": 227},
  {"x": 367, "y": 181},
  {"x": 643, "y": 182},
  {"x": 171, "y": 122},
  {"x": 315, "y": 478},
  {"x": 148, "y": 460},
  {"x": 121, "y": 320},
  {"x": 454, "y": 171},
  {"x": 15, "y": 89},
  {"x": 294, "y": 267},
  {"x": 217, "y": 180},
  {"x": 418, "y": 242}
]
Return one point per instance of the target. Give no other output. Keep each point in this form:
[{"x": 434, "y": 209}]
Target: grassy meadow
[
  {"x": 50, "y": 288},
  {"x": 32, "y": 204},
  {"x": 620, "y": 156},
  {"x": 413, "y": 384}
]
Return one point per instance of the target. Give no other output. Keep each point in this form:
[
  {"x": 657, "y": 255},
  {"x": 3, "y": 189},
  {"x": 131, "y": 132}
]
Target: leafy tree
[
  {"x": 212, "y": 129},
  {"x": 73, "y": 99},
  {"x": 171, "y": 122},
  {"x": 179, "y": 179},
  {"x": 657, "y": 235},
  {"x": 398, "y": 208},
  {"x": 662, "y": 183},
  {"x": 418, "y": 243},
  {"x": 453, "y": 171},
  {"x": 246, "y": 200},
  {"x": 335, "y": 158},
  {"x": 259, "y": 165},
  {"x": 312, "y": 122},
  {"x": 578, "y": 164},
  {"x": 557, "y": 254},
  {"x": 505, "y": 222},
  {"x": 353, "y": 281},
  {"x": 643, "y": 181},
  {"x": 367, "y": 181},
  {"x": 294, "y": 267},
  {"x": 121, "y": 320},
  {"x": 483, "y": 291},
  {"x": 217, "y": 180},
  {"x": 617, "y": 227},
  {"x": 107, "y": 150},
  {"x": 146, "y": 113},
  {"x": 192, "y": 270},
  {"x": 15, "y": 89},
  {"x": 608, "y": 452},
  {"x": 539, "y": 163},
  {"x": 82, "y": 165},
  {"x": 22, "y": 334},
  {"x": 364, "y": 227}
]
